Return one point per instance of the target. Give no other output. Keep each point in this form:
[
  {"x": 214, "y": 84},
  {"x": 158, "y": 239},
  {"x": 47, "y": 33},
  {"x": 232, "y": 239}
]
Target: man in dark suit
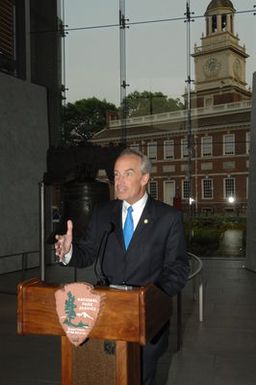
[{"x": 154, "y": 250}]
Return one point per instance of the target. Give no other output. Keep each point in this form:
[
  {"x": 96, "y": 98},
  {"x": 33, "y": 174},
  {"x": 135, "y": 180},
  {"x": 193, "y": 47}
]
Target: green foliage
[
  {"x": 70, "y": 308},
  {"x": 70, "y": 312},
  {"x": 84, "y": 118},
  {"x": 146, "y": 103},
  {"x": 204, "y": 241},
  {"x": 204, "y": 234}
]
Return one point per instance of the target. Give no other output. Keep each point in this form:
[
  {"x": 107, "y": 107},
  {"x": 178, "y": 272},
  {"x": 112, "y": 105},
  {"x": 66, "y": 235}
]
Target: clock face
[{"x": 211, "y": 67}]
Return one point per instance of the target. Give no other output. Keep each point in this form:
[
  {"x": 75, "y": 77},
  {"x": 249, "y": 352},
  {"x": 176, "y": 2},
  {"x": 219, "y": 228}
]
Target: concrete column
[
  {"x": 219, "y": 23},
  {"x": 228, "y": 23},
  {"x": 251, "y": 214}
]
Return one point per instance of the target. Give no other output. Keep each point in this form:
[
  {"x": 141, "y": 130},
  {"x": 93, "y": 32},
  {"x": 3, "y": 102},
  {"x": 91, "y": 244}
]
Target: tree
[
  {"x": 70, "y": 308},
  {"x": 84, "y": 118},
  {"x": 147, "y": 103}
]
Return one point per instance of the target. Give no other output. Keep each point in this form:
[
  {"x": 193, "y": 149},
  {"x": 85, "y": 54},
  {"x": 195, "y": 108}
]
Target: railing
[
  {"x": 21, "y": 265},
  {"x": 197, "y": 272},
  {"x": 181, "y": 114},
  {"x": 24, "y": 260},
  {"x": 194, "y": 274}
]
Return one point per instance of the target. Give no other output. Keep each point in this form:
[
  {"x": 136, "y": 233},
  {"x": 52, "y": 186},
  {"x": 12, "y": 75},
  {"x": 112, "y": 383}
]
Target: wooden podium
[{"x": 111, "y": 355}]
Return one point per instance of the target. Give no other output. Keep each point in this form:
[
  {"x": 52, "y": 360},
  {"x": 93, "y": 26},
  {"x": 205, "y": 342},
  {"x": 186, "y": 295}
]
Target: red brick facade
[{"x": 220, "y": 156}]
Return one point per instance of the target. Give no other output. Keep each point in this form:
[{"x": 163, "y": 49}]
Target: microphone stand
[{"x": 102, "y": 280}]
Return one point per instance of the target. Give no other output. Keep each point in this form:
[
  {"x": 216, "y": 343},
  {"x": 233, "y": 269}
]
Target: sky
[{"x": 156, "y": 51}]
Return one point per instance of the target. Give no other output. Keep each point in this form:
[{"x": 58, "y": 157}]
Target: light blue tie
[{"x": 128, "y": 227}]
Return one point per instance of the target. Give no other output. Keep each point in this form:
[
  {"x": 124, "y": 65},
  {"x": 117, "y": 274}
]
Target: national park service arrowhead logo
[{"x": 78, "y": 308}]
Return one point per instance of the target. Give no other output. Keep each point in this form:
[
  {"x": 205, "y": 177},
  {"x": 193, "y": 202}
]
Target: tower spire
[
  {"x": 220, "y": 61},
  {"x": 219, "y": 17}
]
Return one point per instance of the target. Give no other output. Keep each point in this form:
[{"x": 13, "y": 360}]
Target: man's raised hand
[{"x": 63, "y": 244}]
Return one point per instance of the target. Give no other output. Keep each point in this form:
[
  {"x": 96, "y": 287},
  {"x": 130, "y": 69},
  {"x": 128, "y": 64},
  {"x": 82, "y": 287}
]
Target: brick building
[{"x": 209, "y": 169}]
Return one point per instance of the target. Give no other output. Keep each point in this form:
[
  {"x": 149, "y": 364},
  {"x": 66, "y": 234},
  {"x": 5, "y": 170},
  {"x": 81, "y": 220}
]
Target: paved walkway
[{"x": 219, "y": 351}]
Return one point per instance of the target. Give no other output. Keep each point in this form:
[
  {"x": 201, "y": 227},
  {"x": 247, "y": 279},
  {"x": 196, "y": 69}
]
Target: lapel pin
[{"x": 145, "y": 221}]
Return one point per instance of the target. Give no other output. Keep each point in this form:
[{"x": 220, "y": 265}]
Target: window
[
  {"x": 230, "y": 165},
  {"x": 7, "y": 36},
  {"x": 208, "y": 101},
  {"x": 248, "y": 141},
  {"x": 207, "y": 188},
  {"x": 206, "y": 166},
  {"x": 168, "y": 149},
  {"x": 214, "y": 23},
  {"x": 185, "y": 189},
  {"x": 169, "y": 168},
  {"x": 153, "y": 189},
  {"x": 207, "y": 211},
  {"x": 184, "y": 148},
  {"x": 169, "y": 191},
  {"x": 152, "y": 150},
  {"x": 224, "y": 22},
  {"x": 229, "y": 144},
  {"x": 206, "y": 146},
  {"x": 184, "y": 167},
  {"x": 6, "y": 28},
  {"x": 229, "y": 188},
  {"x": 135, "y": 146}
]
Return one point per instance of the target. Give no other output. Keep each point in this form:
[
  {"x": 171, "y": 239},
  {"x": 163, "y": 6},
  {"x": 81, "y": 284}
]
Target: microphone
[{"x": 102, "y": 280}]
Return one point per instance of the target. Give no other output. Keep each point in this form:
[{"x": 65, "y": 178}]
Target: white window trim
[
  {"x": 156, "y": 184},
  {"x": 225, "y": 143},
  {"x": 135, "y": 146},
  {"x": 166, "y": 143},
  {"x": 224, "y": 187},
  {"x": 183, "y": 142},
  {"x": 203, "y": 155},
  {"x": 152, "y": 145},
  {"x": 165, "y": 183},
  {"x": 183, "y": 182},
  {"x": 202, "y": 186}
]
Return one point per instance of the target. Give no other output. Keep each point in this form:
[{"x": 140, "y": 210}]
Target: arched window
[
  {"x": 224, "y": 22},
  {"x": 214, "y": 23}
]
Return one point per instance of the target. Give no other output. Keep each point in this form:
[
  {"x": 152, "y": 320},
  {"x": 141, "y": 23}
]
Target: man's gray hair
[{"x": 146, "y": 165}]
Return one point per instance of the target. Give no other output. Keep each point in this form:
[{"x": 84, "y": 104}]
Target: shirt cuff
[{"x": 67, "y": 257}]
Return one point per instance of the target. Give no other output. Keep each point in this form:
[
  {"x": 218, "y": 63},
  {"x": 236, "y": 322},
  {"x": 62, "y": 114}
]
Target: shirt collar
[{"x": 137, "y": 205}]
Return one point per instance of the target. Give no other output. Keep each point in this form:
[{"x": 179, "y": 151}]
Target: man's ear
[{"x": 145, "y": 179}]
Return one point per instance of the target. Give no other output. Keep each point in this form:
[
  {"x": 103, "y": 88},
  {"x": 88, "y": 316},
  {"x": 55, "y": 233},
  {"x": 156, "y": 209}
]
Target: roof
[
  {"x": 214, "y": 4},
  {"x": 219, "y": 116}
]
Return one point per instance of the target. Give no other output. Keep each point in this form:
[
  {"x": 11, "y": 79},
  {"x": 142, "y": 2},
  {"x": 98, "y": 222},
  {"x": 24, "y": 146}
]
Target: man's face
[{"x": 130, "y": 183}]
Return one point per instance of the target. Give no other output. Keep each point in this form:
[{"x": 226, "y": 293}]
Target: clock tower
[{"x": 220, "y": 60}]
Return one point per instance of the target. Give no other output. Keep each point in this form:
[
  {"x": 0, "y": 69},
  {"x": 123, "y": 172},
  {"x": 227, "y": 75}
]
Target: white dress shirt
[{"x": 138, "y": 207}]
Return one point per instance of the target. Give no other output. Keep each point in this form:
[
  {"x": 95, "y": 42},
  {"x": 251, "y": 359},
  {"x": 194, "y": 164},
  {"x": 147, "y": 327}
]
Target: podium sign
[{"x": 78, "y": 308}]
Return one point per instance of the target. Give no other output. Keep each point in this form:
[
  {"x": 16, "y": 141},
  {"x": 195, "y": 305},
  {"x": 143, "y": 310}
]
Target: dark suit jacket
[{"x": 156, "y": 254}]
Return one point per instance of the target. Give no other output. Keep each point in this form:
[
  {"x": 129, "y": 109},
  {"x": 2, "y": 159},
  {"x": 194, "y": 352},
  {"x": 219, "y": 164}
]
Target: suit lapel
[{"x": 117, "y": 221}]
